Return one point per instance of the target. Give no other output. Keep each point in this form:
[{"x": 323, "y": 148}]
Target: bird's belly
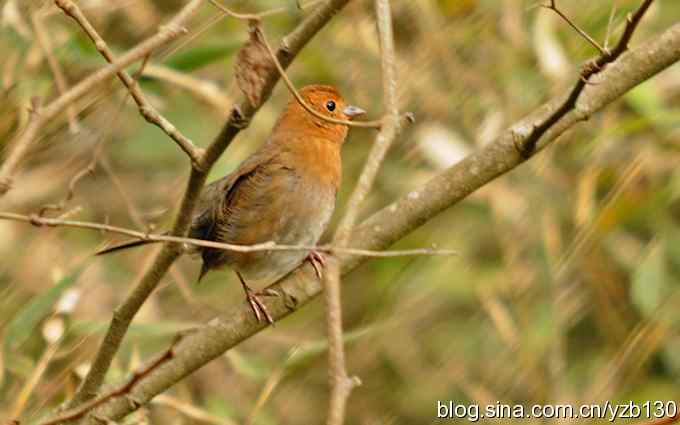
[{"x": 301, "y": 220}]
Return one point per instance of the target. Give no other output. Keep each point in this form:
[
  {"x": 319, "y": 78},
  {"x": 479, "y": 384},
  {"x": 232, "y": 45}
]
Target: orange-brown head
[{"x": 327, "y": 101}]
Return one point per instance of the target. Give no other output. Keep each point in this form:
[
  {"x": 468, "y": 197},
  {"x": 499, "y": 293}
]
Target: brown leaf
[{"x": 253, "y": 64}]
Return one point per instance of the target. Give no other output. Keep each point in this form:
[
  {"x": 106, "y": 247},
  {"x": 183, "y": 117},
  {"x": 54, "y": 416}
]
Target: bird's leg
[
  {"x": 258, "y": 307},
  {"x": 318, "y": 260}
]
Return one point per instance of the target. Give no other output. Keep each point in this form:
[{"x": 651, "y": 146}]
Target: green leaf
[
  {"x": 649, "y": 286},
  {"x": 23, "y": 323},
  {"x": 198, "y": 57}
]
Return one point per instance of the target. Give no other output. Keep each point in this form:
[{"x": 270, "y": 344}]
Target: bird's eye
[{"x": 330, "y": 105}]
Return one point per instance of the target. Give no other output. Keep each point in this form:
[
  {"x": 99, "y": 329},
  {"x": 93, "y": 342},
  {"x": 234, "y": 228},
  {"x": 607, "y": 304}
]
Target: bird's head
[{"x": 325, "y": 100}]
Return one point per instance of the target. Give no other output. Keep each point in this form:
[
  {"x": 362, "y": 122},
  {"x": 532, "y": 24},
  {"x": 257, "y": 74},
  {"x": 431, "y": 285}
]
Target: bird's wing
[{"x": 216, "y": 196}]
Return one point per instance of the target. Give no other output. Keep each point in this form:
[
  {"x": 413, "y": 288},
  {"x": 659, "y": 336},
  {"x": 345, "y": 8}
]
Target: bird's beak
[{"x": 353, "y": 111}]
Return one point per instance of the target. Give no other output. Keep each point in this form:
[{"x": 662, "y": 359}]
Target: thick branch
[
  {"x": 403, "y": 216},
  {"x": 240, "y": 115}
]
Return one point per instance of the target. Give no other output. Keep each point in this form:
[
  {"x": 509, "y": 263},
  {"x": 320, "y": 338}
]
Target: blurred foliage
[{"x": 566, "y": 287}]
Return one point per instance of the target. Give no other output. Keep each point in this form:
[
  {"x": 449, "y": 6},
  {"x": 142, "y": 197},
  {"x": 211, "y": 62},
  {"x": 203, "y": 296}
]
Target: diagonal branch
[
  {"x": 147, "y": 110},
  {"x": 238, "y": 119},
  {"x": 552, "y": 6},
  {"x": 291, "y": 88},
  {"x": 59, "y": 78},
  {"x": 21, "y": 144},
  {"x": 255, "y": 27},
  {"x": 595, "y": 66},
  {"x": 403, "y": 216}
]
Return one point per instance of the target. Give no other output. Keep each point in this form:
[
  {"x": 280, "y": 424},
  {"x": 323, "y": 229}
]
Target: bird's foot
[
  {"x": 258, "y": 307},
  {"x": 318, "y": 261},
  {"x": 253, "y": 298}
]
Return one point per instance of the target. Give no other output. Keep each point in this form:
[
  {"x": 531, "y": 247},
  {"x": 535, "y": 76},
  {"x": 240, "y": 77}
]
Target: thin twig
[
  {"x": 229, "y": 12},
  {"x": 120, "y": 391},
  {"x": 55, "y": 67},
  {"x": 147, "y": 110},
  {"x": 595, "y": 66},
  {"x": 260, "y": 15},
  {"x": 36, "y": 374},
  {"x": 610, "y": 25},
  {"x": 38, "y": 220},
  {"x": 21, "y": 144},
  {"x": 341, "y": 385},
  {"x": 291, "y": 87},
  {"x": 552, "y": 6},
  {"x": 257, "y": 28}
]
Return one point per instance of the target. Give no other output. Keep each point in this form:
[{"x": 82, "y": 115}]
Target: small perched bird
[{"x": 285, "y": 192}]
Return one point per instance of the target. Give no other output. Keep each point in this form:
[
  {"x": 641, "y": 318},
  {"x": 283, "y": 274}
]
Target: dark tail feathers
[{"x": 124, "y": 245}]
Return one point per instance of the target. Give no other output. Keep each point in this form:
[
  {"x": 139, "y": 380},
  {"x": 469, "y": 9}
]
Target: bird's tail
[{"x": 124, "y": 245}]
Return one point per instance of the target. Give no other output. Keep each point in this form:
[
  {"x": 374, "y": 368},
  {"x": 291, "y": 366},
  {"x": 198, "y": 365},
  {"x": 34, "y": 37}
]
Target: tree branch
[
  {"x": 21, "y": 143},
  {"x": 238, "y": 119},
  {"x": 147, "y": 110},
  {"x": 38, "y": 220},
  {"x": 593, "y": 67},
  {"x": 59, "y": 78},
  {"x": 340, "y": 384},
  {"x": 403, "y": 216}
]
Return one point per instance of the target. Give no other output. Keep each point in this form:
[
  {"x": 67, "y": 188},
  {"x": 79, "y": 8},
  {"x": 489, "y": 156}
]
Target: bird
[{"x": 285, "y": 192}]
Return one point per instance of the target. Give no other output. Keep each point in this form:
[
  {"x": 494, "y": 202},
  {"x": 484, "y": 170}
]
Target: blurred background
[{"x": 566, "y": 288}]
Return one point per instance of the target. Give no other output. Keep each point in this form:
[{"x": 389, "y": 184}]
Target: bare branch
[
  {"x": 120, "y": 391},
  {"x": 147, "y": 110},
  {"x": 256, "y": 27},
  {"x": 39, "y": 220},
  {"x": 260, "y": 15},
  {"x": 55, "y": 67},
  {"x": 552, "y": 6},
  {"x": 528, "y": 147},
  {"x": 22, "y": 143},
  {"x": 229, "y": 12},
  {"x": 291, "y": 87},
  {"x": 341, "y": 385}
]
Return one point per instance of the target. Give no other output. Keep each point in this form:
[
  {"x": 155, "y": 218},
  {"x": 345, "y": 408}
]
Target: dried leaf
[{"x": 252, "y": 66}]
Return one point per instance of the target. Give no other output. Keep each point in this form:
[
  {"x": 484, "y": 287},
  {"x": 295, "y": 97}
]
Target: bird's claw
[
  {"x": 258, "y": 307},
  {"x": 318, "y": 262}
]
